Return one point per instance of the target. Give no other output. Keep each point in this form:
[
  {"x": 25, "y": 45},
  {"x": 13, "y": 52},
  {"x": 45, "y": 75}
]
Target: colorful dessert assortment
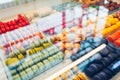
[
  {"x": 114, "y": 40},
  {"x": 109, "y": 72},
  {"x": 111, "y": 5},
  {"x": 19, "y": 40},
  {"x": 29, "y": 52},
  {"x": 27, "y": 61},
  {"x": 112, "y": 24},
  {"x": 114, "y": 37},
  {"x": 76, "y": 72},
  {"x": 33, "y": 65},
  {"x": 21, "y": 21},
  {"x": 86, "y": 46},
  {"x": 70, "y": 40},
  {"x": 69, "y": 75},
  {"x": 106, "y": 67}
]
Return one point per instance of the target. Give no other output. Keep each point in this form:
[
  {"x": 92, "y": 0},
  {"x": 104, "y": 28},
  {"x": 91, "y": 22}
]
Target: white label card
[
  {"x": 58, "y": 29},
  {"x": 78, "y": 11},
  {"x": 69, "y": 15}
]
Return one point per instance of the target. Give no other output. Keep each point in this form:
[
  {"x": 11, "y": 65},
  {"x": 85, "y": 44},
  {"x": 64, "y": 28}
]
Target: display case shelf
[{"x": 67, "y": 65}]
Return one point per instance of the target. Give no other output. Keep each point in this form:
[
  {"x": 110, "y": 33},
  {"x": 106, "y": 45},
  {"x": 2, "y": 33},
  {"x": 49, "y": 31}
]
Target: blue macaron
[
  {"x": 89, "y": 49},
  {"x": 89, "y": 39},
  {"x": 104, "y": 41},
  {"x": 73, "y": 57},
  {"x": 104, "y": 75},
  {"x": 97, "y": 77},
  {"x": 96, "y": 57},
  {"x": 104, "y": 52},
  {"x": 108, "y": 72}
]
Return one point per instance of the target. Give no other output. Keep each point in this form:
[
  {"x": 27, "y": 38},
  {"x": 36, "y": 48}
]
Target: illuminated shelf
[{"x": 67, "y": 65}]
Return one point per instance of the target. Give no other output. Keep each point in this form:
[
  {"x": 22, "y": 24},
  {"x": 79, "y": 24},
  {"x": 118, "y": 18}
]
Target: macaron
[
  {"x": 111, "y": 45},
  {"x": 104, "y": 63},
  {"x": 118, "y": 52},
  {"x": 88, "y": 49},
  {"x": 104, "y": 75},
  {"x": 89, "y": 39},
  {"x": 113, "y": 37},
  {"x": 16, "y": 77},
  {"x": 77, "y": 55},
  {"x": 97, "y": 39},
  {"x": 115, "y": 56},
  {"x": 29, "y": 72},
  {"x": 96, "y": 44},
  {"x": 104, "y": 41},
  {"x": 35, "y": 68},
  {"x": 90, "y": 72},
  {"x": 40, "y": 55},
  {"x": 100, "y": 67},
  {"x": 109, "y": 73},
  {"x": 23, "y": 75},
  {"x": 80, "y": 77},
  {"x": 94, "y": 66},
  {"x": 82, "y": 52},
  {"x": 82, "y": 45},
  {"x": 86, "y": 44},
  {"x": 111, "y": 57},
  {"x": 97, "y": 77},
  {"x": 46, "y": 54},
  {"x": 111, "y": 70},
  {"x": 13, "y": 72},
  {"x": 64, "y": 76},
  {"x": 104, "y": 52},
  {"x": 117, "y": 43},
  {"x": 110, "y": 49},
  {"x": 96, "y": 57},
  {"x": 107, "y": 60},
  {"x": 73, "y": 58}
]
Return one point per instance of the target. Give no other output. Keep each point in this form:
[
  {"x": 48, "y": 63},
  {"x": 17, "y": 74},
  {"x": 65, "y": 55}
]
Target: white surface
[
  {"x": 5, "y": 1},
  {"x": 68, "y": 67},
  {"x": 29, "y": 6}
]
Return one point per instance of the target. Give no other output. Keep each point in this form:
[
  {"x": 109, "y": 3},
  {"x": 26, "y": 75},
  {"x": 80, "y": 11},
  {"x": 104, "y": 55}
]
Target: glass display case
[{"x": 55, "y": 39}]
